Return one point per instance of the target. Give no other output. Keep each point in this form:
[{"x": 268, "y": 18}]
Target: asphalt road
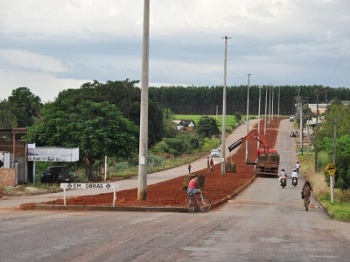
[{"x": 264, "y": 223}]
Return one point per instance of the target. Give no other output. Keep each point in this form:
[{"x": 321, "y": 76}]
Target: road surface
[{"x": 264, "y": 223}]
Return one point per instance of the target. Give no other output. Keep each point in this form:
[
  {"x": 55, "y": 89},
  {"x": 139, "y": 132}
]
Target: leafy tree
[
  {"x": 342, "y": 176},
  {"x": 126, "y": 97},
  {"x": 208, "y": 127},
  {"x": 340, "y": 113},
  {"x": 24, "y": 105},
  {"x": 8, "y": 119},
  {"x": 170, "y": 129},
  {"x": 98, "y": 129}
]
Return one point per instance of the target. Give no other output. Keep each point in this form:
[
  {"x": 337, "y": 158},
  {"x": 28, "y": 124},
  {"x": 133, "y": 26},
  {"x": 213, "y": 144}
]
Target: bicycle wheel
[
  {"x": 204, "y": 204},
  {"x": 190, "y": 204}
]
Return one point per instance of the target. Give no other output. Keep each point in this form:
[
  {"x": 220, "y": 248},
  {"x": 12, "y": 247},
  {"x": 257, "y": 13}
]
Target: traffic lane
[
  {"x": 286, "y": 147},
  {"x": 265, "y": 222}
]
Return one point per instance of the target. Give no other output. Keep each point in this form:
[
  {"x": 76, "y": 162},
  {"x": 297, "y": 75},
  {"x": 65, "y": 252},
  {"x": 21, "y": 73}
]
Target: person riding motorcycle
[{"x": 283, "y": 174}]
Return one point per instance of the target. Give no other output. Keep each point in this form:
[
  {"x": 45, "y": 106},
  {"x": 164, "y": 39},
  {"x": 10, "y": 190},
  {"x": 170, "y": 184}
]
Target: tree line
[{"x": 193, "y": 100}]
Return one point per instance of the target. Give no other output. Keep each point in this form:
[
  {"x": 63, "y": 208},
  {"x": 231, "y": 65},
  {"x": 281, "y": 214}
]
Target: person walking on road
[
  {"x": 211, "y": 165},
  {"x": 306, "y": 191},
  {"x": 189, "y": 167},
  {"x": 208, "y": 164}
]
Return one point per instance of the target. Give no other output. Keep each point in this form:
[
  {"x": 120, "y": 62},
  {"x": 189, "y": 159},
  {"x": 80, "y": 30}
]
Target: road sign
[
  {"x": 330, "y": 168},
  {"x": 66, "y": 186},
  {"x": 88, "y": 186}
]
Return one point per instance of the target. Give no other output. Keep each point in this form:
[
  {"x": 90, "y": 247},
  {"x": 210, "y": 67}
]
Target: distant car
[
  {"x": 215, "y": 153},
  {"x": 56, "y": 174}
]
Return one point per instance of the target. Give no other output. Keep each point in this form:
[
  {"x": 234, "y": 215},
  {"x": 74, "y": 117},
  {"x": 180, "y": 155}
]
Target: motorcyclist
[
  {"x": 295, "y": 177},
  {"x": 283, "y": 174},
  {"x": 295, "y": 173}
]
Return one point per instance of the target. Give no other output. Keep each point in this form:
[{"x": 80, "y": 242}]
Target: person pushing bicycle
[{"x": 193, "y": 186}]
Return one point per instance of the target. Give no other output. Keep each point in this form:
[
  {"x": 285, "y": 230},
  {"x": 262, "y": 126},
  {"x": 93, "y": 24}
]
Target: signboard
[
  {"x": 330, "y": 168},
  {"x": 53, "y": 154},
  {"x": 66, "y": 186},
  {"x": 88, "y": 186}
]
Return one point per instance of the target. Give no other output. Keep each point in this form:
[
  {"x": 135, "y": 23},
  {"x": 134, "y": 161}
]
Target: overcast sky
[{"x": 52, "y": 45}]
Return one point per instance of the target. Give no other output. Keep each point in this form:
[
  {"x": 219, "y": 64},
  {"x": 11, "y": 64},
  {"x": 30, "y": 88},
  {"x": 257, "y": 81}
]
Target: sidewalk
[{"x": 11, "y": 202}]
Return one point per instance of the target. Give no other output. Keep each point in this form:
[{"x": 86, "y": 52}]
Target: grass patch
[
  {"x": 337, "y": 210},
  {"x": 340, "y": 208},
  {"x": 231, "y": 122}
]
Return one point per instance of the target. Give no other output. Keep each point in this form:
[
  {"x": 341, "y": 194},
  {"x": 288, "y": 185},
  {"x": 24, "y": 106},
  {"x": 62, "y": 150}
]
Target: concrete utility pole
[
  {"x": 142, "y": 174},
  {"x": 247, "y": 142},
  {"x": 333, "y": 157},
  {"x": 265, "y": 112},
  {"x": 259, "y": 115},
  {"x": 272, "y": 97},
  {"x": 223, "y": 126},
  {"x": 316, "y": 134},
  {"x": 279, "y": 96}
]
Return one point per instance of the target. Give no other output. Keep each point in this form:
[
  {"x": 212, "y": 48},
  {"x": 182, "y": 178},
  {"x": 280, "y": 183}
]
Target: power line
[{"x": 336, "y": 69}]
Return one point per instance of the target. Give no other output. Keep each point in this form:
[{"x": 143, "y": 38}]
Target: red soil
[{"x": 171, "y": 192}]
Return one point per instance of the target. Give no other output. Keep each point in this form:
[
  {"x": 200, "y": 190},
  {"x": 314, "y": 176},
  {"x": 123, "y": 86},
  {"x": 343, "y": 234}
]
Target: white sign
[
  {"x": 88, "y": 186},
  {"x": 66, "y": 186},
  {"x": 53, "y": 154}
]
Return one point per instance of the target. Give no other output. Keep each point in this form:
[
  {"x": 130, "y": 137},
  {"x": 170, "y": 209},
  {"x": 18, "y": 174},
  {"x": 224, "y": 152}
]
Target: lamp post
[{"x": 223, "y": 126}]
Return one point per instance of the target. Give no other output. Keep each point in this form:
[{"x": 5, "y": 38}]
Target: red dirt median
[{"x": 170, "y": 193}]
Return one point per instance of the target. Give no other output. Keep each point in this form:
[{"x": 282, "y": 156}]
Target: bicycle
[{"x": 198, "y": 201}]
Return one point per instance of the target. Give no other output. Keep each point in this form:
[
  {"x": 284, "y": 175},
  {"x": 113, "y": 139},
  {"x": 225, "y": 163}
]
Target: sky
[{"x": 52, "y": 45}]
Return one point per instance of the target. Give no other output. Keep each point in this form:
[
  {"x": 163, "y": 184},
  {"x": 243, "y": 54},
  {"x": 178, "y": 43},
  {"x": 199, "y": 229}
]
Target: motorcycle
[
  {"x": 283, "y": 182},
  {"x": 294, "y": 181}
]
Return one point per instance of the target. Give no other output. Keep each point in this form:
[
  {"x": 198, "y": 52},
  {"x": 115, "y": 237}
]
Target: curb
[{"x": 138, "y": 209}]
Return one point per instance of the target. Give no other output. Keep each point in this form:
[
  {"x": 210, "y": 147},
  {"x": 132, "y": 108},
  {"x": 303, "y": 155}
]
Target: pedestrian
[
  {"x": 306, "y": 192},
  {"x": 211, "y": 165},
  {"x": 208, "y": 165},
  {"x": 189, "y": 167}
]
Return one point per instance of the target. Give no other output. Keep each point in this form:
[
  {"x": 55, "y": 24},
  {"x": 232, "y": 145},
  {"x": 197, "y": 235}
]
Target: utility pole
[
  {"x": 259, "y": 115},
  {"x": 300, "y": 120},
  {"x": 279, "y": 96},
  {"x": 265, "y": 112},
  {"x": 273, "y": 95},
  {"x": 316, "y": 134},
  {"x": 247, "y": 142},
  {"x": 142, "y": 172},
  {"x": 333, "y": 157},
  {"x": 223, "y": 126}
]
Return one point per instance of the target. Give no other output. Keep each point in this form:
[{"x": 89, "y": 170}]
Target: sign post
[
  {"x": 66, "y": 186},
  {"x": 330, "y": 168}
]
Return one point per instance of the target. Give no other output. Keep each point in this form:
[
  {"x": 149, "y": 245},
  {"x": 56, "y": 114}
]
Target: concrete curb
[{"x": 138, "y": 209}]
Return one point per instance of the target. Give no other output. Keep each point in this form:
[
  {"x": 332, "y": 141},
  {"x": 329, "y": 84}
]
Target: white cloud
[
  {"x": 58, "y": 44},
  {"x": 31, "y": 61}
]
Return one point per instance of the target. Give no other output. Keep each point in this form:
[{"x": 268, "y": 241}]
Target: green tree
[
  {"x": 208, "y": 127},
  {"x": 98, "y": 129},
  {"x": 24, "y": 105},
  {"x": 342, "y": 176},
  {"x": 126, "y": 97},
  {"x": 8, "y": 119}
]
